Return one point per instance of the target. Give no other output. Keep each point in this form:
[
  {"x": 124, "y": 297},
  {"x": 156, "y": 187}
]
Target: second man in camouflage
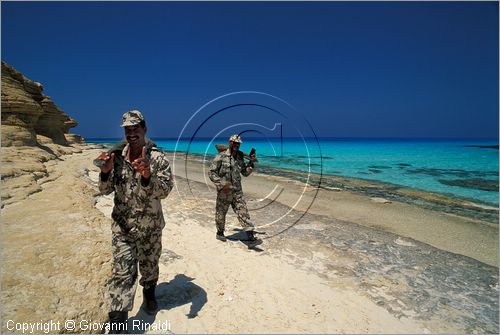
[{"x": 225, "y": 172}]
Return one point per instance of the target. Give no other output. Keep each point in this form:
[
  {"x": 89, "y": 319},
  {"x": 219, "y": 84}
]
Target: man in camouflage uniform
[
  {"x": 225, "y": 172},
  {"x": 140, "y": 176}
]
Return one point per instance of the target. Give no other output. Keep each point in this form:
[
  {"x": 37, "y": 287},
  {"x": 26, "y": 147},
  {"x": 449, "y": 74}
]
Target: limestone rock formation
[
  {"x": 55, "y": 245},
  {"x": 56, "y": 250},
  {"x": 27, "y": 112},
  {"x": 34, "y": 131},
  {"x": 73, "y": 138}
]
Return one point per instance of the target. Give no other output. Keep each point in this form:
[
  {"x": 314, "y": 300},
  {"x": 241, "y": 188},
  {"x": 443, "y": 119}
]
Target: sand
[
  {"x": 461, "y": 235},
  {"x": 350, "y": 265}
]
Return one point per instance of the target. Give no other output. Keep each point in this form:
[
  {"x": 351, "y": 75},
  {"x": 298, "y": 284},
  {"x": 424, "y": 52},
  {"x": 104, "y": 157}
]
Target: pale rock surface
[
  {"x": 27, "y": 112},
  {"x": 56, "y": 248}
]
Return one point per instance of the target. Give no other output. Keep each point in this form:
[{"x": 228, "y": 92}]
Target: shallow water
[{"x": 463, "y": 169}]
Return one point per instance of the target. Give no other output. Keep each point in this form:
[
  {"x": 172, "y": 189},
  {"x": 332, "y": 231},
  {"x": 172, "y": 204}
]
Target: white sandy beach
[{"x": 294, "y": 283}]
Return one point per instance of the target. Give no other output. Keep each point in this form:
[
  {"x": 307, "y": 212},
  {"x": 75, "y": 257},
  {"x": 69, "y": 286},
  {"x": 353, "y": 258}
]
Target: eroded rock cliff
[
  {"x": 34, "y": 131},
  {"x": 26, "y": 112},
  {"x": 55, "y": 245}
]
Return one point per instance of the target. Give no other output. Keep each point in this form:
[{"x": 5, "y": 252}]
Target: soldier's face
[
  {"x": 135, "y": 135},
  {"x": 234, "y": 146}
]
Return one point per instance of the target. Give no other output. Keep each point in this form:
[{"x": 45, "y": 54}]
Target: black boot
[
  {"x": 220, "y": 236},
  {"x": 252, "y": 241},
  {"x": 251, "y": 236},
  {"x": 118, "y": 322},
  {"x": 150, "y": 304}
]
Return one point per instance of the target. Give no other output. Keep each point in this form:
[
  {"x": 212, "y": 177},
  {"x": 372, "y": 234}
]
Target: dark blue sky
[{"x": 353, "y": 69}]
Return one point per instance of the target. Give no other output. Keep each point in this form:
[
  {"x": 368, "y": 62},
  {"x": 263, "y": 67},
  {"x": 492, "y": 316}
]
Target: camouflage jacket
[
  {"x": 137, "y": 207},
  {"x": 226, "y": 169}
]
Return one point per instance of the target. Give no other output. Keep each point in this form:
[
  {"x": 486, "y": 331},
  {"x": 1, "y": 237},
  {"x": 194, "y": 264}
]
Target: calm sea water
[{"x": 466, "y": 169}]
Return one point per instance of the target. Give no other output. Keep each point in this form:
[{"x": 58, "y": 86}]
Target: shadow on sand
[
  {"x": 177, "y": 292},
  {"x": 240, "y": 236}
]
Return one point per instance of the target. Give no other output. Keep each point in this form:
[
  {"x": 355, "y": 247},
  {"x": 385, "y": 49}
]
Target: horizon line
[{"x": 307, "y": 137}]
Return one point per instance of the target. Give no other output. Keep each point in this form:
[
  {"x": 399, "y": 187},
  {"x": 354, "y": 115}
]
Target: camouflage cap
[
  {"x": 132, "y": 118},
  {"x": 235, "y": 138}
]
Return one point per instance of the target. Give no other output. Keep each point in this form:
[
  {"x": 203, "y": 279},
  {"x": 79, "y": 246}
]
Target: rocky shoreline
[
  {"x": 322, "y": 269},
  {"x": 486, "y": 213},
  {"x": 438, "y": 290},
  {"x": 59, "y": 270}
]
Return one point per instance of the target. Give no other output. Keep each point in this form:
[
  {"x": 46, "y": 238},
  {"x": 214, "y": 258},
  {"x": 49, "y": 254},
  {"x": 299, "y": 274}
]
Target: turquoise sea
[{"x": 463, "y": 169}]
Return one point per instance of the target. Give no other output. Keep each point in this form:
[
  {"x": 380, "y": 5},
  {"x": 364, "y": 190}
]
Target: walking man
[
  {"x": 140, "y": 176},
  {"x": 225, "y": 172}
]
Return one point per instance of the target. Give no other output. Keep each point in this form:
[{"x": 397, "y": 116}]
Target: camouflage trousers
[
  {"x": 235, "y": 199},
  {"x": 128, "y": 250}
]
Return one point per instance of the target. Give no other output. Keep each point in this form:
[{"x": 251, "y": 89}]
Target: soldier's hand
[
  {"x": 108, "y": 161},
  {"x": 141, "y": 165},
  {"x": 253, "y": 157},
  {"x": 227, "y": 188}
]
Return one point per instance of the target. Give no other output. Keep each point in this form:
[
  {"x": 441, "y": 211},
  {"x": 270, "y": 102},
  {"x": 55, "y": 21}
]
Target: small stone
[
  {"x": 403, "y": 242},
  {"x": 380, "y": 200}
]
